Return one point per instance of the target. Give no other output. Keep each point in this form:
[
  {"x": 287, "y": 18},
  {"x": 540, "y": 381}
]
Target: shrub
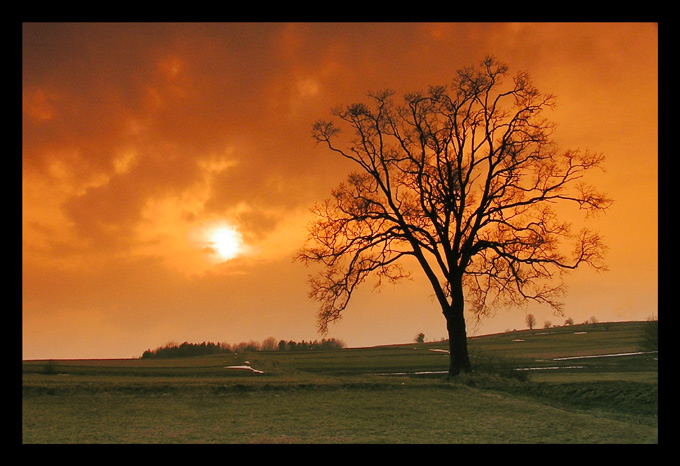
[{"x": 649, "y": 340}]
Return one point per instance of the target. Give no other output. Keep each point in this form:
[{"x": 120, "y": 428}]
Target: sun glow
[{"x": 226, "y": 241}]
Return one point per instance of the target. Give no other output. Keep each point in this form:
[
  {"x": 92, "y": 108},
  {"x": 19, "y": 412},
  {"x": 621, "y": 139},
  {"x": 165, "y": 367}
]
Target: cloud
[{"x": 136, "y": 136}]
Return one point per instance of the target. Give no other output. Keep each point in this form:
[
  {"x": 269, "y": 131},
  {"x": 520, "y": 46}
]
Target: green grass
[
  {"x": 337, "y": 396},
  {"x": 342, "y": 414}
]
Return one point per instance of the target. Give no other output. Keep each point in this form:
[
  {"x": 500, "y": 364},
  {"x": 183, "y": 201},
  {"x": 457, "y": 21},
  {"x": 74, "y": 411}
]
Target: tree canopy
[{"x": 464, "y": 178}]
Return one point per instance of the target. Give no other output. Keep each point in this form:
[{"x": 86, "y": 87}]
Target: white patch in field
[{"x": 247, "y": 368}]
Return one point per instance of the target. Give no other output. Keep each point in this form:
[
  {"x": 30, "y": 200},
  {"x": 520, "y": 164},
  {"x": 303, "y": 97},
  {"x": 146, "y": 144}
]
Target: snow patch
[
  {"x": 411, "y": 373},
  {"x": 601, "y": 356},
  {"x": 247, "y": 368},
  {"x": 548, "y": 368}
]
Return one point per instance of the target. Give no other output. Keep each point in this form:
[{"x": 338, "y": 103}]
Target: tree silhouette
[
  {"x": 531, "y": 321},
  {"x": 464, "y": 179}
]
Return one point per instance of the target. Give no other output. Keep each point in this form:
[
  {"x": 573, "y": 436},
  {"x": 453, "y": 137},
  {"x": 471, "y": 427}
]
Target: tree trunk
[{"x": 455, "y": 324}]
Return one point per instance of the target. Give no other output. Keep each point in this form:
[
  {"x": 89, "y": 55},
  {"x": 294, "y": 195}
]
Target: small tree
[
  {"x": 269, "y": 344},
  {"x": 420, "y": 338},
  {"x": 531, "y": 321},
  {"x": 464, "y": 180}
]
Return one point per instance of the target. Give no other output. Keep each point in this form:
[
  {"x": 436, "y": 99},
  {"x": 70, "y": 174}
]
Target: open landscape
[
  {"x": 391, "y": 184},
  {"x": 592, "y": 383}
]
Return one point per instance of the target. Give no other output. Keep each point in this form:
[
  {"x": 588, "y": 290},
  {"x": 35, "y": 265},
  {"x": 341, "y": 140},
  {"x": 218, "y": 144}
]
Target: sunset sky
[{"x": 143, "y": 145}]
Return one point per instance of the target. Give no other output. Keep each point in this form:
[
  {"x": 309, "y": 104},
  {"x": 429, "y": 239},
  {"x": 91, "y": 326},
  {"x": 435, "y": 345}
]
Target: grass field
[{"x": 580, "y": 384}]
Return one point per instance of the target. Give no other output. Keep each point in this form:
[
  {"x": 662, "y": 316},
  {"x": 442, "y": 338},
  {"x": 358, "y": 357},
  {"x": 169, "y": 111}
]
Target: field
[{"x": 580, "y": 384}]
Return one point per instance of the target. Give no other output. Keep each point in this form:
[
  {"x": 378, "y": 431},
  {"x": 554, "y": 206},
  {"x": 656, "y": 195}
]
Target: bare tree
[
  {"x": 531, "y": 321},
  {"x": 269, "y": 344},
  {"x": 464, "y": 179}
]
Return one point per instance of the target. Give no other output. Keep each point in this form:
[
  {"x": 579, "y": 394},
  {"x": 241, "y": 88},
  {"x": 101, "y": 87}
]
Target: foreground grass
[{"x": 401, "y": 411}]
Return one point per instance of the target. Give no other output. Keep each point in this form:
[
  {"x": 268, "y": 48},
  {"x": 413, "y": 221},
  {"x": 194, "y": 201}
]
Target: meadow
[{"x": 587, "y": 384}]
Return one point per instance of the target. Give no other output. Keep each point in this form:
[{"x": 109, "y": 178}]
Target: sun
[{"x": 226, "y": 241}]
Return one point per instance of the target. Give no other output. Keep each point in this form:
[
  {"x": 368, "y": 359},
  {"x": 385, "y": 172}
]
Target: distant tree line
[
  {"x": 174, "y": 350},
  {"x": 331, "y": 343}
]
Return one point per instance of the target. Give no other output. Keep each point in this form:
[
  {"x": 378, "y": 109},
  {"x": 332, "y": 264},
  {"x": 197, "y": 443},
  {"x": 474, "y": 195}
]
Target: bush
[
  {"x": 649, "y": 340},
  {"x": 494, "y": 366}
]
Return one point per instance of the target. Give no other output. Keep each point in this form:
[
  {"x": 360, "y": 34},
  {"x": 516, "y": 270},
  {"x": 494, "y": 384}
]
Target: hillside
[
  {"x": 357, "y": 395},
  {"x": 587, "y": 350}
]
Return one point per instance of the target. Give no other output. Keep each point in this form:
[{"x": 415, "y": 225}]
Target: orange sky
[{"x": 140, "y": 139}]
